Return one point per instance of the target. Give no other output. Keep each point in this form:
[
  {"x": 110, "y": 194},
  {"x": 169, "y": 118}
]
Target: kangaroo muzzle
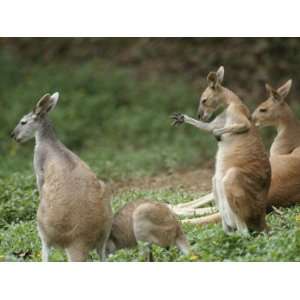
[
  {"x": 13, "y": 135},
  {"x": 200, "y": 114},
  {"x": 204, "y": 116}
]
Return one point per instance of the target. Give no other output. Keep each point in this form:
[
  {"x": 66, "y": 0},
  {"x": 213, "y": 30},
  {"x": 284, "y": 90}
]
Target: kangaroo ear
[
  {"x": 215, "y": 78},
  {"x": 269, "y": 89},
  {"x": 220, "y": 74},
  {"x": 272, "y": 93},
  {"x": 212, "y": 79},
  {"x": 285, "y": 89},
  {"x": 46, "y": 104}
]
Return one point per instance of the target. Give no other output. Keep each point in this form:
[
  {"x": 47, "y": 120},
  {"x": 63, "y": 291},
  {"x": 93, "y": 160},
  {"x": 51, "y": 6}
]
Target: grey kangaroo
[{"x": 74, "y": 212}]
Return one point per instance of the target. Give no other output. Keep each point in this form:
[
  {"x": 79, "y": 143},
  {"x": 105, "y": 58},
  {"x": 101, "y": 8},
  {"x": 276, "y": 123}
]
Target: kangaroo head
[
  {"x": 31, "y": 122},
  {"x": 271, "y": 111},
  {"x": 210, "y": 99}
]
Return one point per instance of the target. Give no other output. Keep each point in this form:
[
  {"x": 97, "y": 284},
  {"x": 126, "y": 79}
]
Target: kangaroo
[
  {"x": 285, "y": 149},
  {"x": 74, "y": 212},
  {"x": 242, "y": 171},
  {"x": 146, "y": 221}
]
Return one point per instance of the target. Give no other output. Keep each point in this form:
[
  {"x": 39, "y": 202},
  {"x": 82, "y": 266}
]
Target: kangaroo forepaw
[
  {"x": 177, "y": 118},
  {"x": 218, "y": 134}
]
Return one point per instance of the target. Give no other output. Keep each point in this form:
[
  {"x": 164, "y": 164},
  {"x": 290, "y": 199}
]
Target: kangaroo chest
[
  {"x": 222, "y": 157},
  {"x": 39, "y": 160}
]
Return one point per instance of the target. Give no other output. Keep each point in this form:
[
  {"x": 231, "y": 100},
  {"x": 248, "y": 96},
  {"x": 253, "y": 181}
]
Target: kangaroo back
[
  {"x": 147, "y": 221},
  {"x": 72, "y": 204},
  {"x": 155, "y": 223}
]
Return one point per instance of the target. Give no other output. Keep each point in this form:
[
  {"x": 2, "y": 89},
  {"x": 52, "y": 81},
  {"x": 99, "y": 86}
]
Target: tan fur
[
  {"x": 244, "y": 167},
  {"x": 146, "y": 221},
  {"x": 285, "y": 149},
  {"x": 242, "y": 175},
  {"x": 73, "y": 212}
]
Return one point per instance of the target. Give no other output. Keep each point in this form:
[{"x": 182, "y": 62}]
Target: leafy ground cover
[
  {"x": 19, "y": 240},
  {"x": 118, "y": 122}
]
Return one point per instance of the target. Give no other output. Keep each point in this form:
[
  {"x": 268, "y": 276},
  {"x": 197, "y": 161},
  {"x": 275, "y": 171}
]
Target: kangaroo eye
[
  {"x": 204, "y": 101},
  {"x": 263, "y": 110},
  {"x": 23, "y": 122}
]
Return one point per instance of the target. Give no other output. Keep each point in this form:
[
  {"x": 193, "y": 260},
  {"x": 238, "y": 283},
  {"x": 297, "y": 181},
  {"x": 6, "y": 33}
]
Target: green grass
[{"x": 19, "y": 240}]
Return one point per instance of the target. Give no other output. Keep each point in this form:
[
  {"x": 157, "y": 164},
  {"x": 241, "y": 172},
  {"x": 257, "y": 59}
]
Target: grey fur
[{"x": 74, "y": 211}]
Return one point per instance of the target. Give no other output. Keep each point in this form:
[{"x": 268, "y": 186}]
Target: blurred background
[{"x": 116, "y": 95}]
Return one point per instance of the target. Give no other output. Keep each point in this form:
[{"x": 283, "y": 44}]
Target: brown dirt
[{"x": 192, "y": 181}]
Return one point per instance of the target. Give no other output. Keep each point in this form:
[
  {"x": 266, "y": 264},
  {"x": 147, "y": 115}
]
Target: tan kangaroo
[
  {"x": 285, "y": 149},
  {"x": 242, "y": 172},
  {"x": 149, "y": 222},
  {"x": 74, "y": 211}
]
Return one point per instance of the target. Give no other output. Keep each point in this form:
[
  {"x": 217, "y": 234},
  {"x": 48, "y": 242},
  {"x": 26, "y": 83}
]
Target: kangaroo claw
[{"x": 178, "y": 119}]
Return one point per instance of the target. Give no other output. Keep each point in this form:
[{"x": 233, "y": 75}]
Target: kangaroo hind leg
[
  {"x": 236, "y": 199},
  {"x": 45, "y": 246},
  {"x": 101, "y": 247},
  {"x": 222, "y": 204}
]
